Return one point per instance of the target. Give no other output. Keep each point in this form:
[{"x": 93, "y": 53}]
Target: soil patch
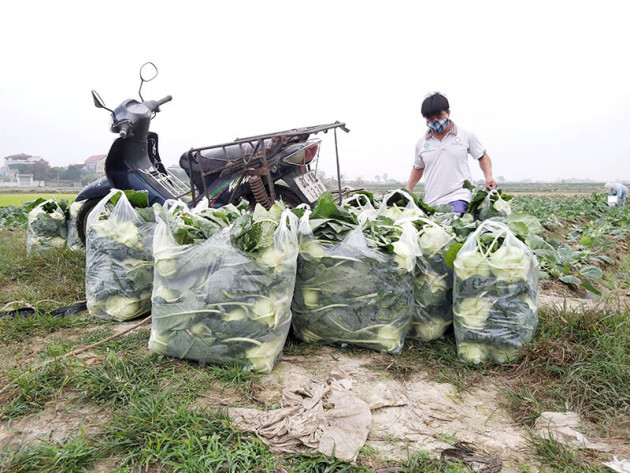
[
  {"x": 432, "y": 417},
  {"x": 59, "y": 419}
]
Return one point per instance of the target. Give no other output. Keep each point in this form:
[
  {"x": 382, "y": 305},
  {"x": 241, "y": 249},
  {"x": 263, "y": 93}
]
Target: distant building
[
  {"x": 26, "y": 180},
  {"x": 96, "y": 164},
  {"x": 14, "y": 164}
]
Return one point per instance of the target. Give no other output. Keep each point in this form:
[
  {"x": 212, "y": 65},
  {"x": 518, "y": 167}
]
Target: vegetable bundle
[
  {"x": 223, "y": 285},
  {"x": 494, "y": 298},
  {"x": 354, "y": 282},
  {"x": 433, "y": 282},
  {"x": 488, "y": 204},
  {"x": 119, "y": 260},
  {"x": 73, "y": 239},
  {"x": 47, "y": 225}
]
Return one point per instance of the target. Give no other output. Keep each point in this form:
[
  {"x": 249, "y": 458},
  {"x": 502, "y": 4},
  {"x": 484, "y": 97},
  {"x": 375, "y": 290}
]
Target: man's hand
[
  {"x": 486, "y": 166},
  {"x": 491, "y": 184}
]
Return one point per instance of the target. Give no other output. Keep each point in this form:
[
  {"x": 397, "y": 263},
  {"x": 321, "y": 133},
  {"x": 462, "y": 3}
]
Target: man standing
[
  {"x": 442, "y": 158},
  {"x": 619, "y": 190}
]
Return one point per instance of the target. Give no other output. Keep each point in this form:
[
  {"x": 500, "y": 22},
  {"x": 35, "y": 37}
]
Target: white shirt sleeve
[
  {"x": 475, "y": 148},
  {"x": 418, "y": 162}
]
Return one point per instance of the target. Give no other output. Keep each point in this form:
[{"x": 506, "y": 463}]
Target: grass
[
  {"x": 118, "y": 381},
  {"x": 558, "y": 458},
  {"x": 33, "y": 388},
  {"x": 162, "y": 430},
  {"x": 24, "y": 328},
  {"x": 423, "y": 462},
  {"x": 17, "y": 199},
  {"x": 321, "y": 464},
  {"x": 48, "y": 279},
  {"x": 580, "y": 361},
  {"x": 72, "y": 456}
]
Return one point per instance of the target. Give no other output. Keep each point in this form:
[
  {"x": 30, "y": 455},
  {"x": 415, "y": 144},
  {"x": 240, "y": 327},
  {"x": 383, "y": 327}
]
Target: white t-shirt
[{"x": 445, "y": 164}]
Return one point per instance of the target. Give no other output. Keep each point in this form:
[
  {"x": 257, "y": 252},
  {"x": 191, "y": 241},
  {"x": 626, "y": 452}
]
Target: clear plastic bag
[
  {"x": 494, "y": 205},
  {"x": 348, "y": 293},
  {"x": 360, "y": 204},
  {"x": 47, "y": 227},
  {"x": 495, "y": 295},
  {"x": 433, "y": 283},
  {"x": 73, "y": 239},
  {"x": 396, "y": 212},
  {"x": 119, "y": 260},
  {"x": 214, "y": 303}
]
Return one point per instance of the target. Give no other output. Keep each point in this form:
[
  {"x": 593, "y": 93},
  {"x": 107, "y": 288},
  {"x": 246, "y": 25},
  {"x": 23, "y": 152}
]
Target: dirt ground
[{"x": 432, "y": 414}]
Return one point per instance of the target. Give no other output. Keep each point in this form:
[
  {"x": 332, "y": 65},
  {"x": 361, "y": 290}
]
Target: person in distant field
[
  {"x": 619, "y": 190},
  {"x": 442, "y": 158}
]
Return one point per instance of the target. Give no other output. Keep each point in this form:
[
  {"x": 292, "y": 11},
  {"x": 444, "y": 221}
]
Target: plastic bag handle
[
  {"x": 203, "y": 204},
  {"x": 398, "y": 191},
  {"x": 171, "y": 205},
  {"x": 383, "y": 207},
  {"x": 287, "y": 219},
  {"x": 304, "y": 225},
  {"x": 98, "y": 209},
  {"x": 358, "y": 198},
  {"x": 483, "y": 227}
]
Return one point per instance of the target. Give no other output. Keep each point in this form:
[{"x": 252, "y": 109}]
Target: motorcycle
[{"x": 259, "y": 169}]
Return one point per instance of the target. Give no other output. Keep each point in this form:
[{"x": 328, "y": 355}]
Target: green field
[{"x": 17, "y": 198}]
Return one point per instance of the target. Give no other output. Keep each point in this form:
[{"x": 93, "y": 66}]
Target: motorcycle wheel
[
  {"x": 82, "y": 217},
  {"x": 283, "y": 193}
]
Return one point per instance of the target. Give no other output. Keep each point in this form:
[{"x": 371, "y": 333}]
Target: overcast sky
[{"x": 544, "y": 84}]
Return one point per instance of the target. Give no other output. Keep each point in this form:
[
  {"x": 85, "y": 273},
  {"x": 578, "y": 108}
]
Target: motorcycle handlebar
[
  {"x": 124, "y": 129},
  {"x": 168, "y": 98},
  {"x": 154, "y": 105}
]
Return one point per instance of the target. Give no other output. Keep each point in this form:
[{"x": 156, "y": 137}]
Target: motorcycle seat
[{"x": 215, "y": 159}]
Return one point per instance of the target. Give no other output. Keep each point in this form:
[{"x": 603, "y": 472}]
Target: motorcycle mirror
[
  {"x": 148, "y": 72},
  {"x": 98, "y": 101}
]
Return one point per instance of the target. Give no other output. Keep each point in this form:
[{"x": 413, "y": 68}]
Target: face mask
[{"x": 438, "y": 126}]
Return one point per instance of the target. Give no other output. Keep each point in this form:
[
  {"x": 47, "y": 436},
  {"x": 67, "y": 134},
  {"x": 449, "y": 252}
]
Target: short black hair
[{"x": 434, "y": 104}]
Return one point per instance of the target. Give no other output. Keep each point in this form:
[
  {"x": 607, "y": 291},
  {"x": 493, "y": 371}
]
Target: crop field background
[
  {"x": 17, "y": 199},
  {"x": 68, "y": 405}
]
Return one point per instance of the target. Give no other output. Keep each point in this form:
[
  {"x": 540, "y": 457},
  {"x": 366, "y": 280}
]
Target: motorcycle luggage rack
[
  {"x": 170, "y": 182},
  {"x": 257, "y": 152}
]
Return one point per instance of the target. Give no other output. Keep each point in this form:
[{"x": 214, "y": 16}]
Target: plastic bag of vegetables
[
  {"x": 433, "y": 282},
  {"x": 488, "y": 204},
  {"x": 47, "y": 226},
  {"x": 225, "y": 298},
  {"x": 400, "y": 205},
  {"x": 356, "y": 291},
  {"x": 362, "y": 203},
  {"x": 494, "y": 298},
  {"x": 73, "y": 240},
  {"x": 119, "y": 259}
]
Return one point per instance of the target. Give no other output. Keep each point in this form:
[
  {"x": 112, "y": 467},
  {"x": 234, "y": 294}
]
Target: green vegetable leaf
[
  {"x": 137, "y": 199},
  {"x": 531, "y": 223},
  {"x": 570, "y": 279},
  {"x": 591, "y": 272},
  {"x": 31, "y": 204},
  {"x": 451, "y": 254}
]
